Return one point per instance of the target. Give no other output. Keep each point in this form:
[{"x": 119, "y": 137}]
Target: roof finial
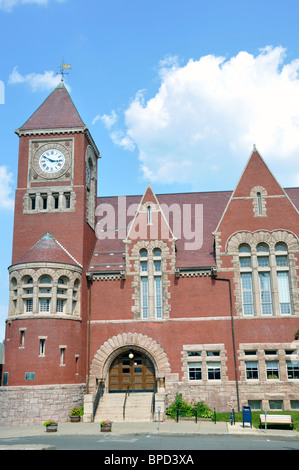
[
  {"x": 48, "y": 236},
  {"x": 62, "y": 70}
]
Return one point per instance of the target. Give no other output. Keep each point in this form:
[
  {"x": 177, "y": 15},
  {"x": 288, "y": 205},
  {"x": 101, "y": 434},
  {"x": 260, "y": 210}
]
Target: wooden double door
[{"x": 137, "y": 373}]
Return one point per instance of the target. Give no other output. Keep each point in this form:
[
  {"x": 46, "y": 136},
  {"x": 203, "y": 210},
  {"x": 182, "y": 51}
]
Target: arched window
[
  {"x": 259, "y": 194},
  {"x": 149, "y": 215},
  {"x": 282, "y": 271},
  {"x": 45, "y": 294},
  {"x": 265, "y": 276},
  {"x": 144, "y": 282},
  {"x": 151, "y": 292},
  {"x": 75, "y": 299},
  {"x": 90, "y": 186},
  {"x": 157, "y": 259},
  {"x": 62, "y": 296},
  {"x": 246, "y": 278},
  {"x": 259, "y": 203},
  {"x": 27, "y": 284},
  {"x": 14, "y": 294}
]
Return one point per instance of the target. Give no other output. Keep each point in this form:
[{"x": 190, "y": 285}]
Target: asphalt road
[{"x": 177, "y": 445}]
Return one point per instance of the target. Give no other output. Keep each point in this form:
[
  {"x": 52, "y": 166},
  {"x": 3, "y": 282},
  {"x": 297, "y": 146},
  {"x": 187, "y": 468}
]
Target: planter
[
  {"x": 51, "y": 428},
  {"x": 75, "y": 419},
  {"x": 106, "y": 427}
]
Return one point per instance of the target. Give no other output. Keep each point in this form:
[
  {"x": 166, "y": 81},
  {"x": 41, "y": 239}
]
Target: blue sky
[{"x": 173, "y": 92}]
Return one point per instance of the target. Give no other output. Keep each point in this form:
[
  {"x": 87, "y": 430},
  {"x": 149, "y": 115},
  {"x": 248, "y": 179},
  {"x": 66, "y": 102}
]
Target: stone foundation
[
  {"x": 22, "y": 406},
  {"x": 223, "y": 396}
]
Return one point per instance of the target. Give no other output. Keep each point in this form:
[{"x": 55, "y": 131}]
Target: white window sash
[
  {"x": 158, "y": 296},
  {"x": 144, "y": 296},
  {"x": 284, "y": 292}
]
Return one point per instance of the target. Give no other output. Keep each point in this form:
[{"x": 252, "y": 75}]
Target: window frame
[
  {"x": 252, "y": 370},
  {"x": 196, "y": 373},
  {"x": 272, "y": 269}
]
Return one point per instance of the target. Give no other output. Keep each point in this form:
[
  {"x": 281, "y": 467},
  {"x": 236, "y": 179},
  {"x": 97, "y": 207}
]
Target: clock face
[{"x": 51, "y": 161}]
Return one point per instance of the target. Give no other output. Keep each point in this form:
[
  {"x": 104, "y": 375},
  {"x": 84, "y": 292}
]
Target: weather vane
[{"x": 62, "y": 69}]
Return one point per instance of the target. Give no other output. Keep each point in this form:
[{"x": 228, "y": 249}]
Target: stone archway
[{"x": 109, "y": 351}]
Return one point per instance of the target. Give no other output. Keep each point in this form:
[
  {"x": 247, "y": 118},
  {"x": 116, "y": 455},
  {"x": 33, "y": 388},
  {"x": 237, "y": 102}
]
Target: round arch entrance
[
  {"x": 120, "y": 344},
  {"x": 133, "y": 370}
]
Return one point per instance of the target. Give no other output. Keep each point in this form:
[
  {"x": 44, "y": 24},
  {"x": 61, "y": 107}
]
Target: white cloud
[
  {"x": 6, "y": 181},
  {"x": 107, "y": 119},
  {"x": 123, "y": 140},
  {"x": 212, "y": 109},
  {"x": 9, "y": 5},
  {"x": 118, "y": 137},
  {"x": 37, "y": 81}
]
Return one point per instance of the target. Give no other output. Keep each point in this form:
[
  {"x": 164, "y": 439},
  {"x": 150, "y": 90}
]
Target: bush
[{"x": 188, "y": 410}]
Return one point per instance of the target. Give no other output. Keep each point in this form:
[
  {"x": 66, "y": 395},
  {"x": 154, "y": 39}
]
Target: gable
[
  {"x": 257, "y": 174},
  {"x": 258, "y": 203},
  {"x": 149, "y": 222},
  {"x": 194, "y": 240}
]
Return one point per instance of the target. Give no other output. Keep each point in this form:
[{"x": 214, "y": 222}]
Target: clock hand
[{"x": 51, "y": 160}]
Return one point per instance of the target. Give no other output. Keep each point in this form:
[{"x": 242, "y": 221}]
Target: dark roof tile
[{"x": 56, "y": 112}]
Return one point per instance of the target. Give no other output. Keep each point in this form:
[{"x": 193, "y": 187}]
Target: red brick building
[{"x": 193, "y": 293}]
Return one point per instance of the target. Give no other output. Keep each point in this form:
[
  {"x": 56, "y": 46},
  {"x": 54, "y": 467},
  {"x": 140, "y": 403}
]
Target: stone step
[{"x": 138, "y": 407}]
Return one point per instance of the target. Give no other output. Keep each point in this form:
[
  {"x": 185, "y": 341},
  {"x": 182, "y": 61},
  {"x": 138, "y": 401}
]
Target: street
[{"x": 177, "y": 445}]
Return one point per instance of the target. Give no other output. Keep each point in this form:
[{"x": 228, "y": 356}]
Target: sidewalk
[{"x": 167, "y": 427}]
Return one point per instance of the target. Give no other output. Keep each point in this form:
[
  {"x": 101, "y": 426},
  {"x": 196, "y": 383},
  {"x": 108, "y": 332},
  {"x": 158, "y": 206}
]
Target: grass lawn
[{"x": 256, "y": 418}]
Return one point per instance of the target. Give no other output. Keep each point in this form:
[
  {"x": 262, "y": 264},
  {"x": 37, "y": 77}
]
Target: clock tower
[
  {"x": 54, "y": 235},
  {"x": 56, "y": 178}
]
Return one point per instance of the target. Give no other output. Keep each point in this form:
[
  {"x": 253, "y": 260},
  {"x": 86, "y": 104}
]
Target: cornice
[{"x": 59, "y": 131}]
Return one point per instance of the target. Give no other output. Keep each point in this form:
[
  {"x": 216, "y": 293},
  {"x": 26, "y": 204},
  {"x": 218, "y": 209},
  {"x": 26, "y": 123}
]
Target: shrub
[{"x": 188, "y": 410}]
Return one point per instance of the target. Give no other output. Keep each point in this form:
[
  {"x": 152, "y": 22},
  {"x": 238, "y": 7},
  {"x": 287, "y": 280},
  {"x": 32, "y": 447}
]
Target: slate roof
[
  {"x": 47, "y": 250},
  {"x": 293, "y": 194},
  {"x": 109, "y": 253},
  {"x": 56, "y": 112}
]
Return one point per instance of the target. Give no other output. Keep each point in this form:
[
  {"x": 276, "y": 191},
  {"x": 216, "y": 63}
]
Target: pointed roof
[
  {"x": 56, "y": 112},
  {"x": 257, "y": 173},
  {"x": 47, "y": 250},
  {"x": 157, "y": 225}
]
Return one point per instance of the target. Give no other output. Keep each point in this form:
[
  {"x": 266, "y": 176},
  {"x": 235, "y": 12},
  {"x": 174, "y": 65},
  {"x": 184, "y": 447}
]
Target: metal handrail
[
  {"x": 99, "y": 394},
  {"x": 153, "y": 401},
  {"x": 153, "y": 406},
  {"x": 125, "y": 402}
]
